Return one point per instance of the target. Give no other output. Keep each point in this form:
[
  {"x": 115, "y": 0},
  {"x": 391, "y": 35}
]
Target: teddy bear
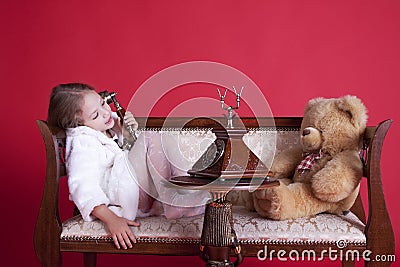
[{"x": 322, "y": 173}]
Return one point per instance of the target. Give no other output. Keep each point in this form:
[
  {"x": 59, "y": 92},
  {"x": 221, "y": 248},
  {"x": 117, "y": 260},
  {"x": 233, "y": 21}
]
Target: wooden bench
[{"x": 258, "y": 237}]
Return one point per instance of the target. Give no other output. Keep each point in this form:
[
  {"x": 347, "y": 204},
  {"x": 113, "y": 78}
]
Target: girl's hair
[{"x": 65, "y": 105}]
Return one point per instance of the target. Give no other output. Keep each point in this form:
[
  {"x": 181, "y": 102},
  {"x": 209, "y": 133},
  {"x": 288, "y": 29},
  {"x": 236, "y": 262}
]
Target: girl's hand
[
  {"x": 117, "y": 226},
  {"x": 121, "y": 233},
  {"x": 129, "y": 120}
]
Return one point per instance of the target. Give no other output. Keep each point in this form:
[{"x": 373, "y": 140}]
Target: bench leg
[
  {"x": 49, "y": 256},
  {"x": 89, "y": 259}
]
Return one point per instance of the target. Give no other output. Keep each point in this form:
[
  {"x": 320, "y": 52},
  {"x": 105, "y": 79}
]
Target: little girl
[{"x": 106, "y": 182}]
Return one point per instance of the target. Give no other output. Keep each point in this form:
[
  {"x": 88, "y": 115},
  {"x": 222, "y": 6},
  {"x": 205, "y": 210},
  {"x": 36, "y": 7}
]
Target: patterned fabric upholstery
[
  {"x": 250, "y": 228},
  {"x": 191, "y": 144}
]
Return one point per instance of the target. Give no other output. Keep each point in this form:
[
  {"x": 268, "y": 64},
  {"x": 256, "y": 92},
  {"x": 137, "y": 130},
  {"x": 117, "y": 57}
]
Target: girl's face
[{"x": 96, "y": 113}]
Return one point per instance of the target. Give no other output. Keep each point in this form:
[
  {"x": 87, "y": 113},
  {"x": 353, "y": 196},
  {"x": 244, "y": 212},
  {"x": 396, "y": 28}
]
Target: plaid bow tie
[{"x": 308, "y": 161}]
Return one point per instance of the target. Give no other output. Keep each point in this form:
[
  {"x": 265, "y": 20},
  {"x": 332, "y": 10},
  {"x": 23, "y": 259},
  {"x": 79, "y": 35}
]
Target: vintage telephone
[{"x": 110, "y": 98}]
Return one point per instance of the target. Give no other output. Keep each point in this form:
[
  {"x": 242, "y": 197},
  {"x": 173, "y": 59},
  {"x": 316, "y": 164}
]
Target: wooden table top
[{"x": 219, "y": 184}]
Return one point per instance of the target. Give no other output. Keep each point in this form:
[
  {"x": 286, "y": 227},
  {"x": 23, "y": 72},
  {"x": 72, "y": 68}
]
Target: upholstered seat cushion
[{"x": 250, "y": 228}]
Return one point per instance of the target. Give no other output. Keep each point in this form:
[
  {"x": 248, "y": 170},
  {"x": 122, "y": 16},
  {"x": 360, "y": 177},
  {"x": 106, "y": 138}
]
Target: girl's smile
[{"x": 110, "y": 120}]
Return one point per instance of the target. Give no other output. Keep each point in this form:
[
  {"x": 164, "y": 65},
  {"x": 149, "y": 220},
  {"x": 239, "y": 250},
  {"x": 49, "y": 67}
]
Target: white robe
[{"x": 98, "y": 173}]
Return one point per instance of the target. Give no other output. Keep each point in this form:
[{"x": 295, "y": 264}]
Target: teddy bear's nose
[{"x": 306, "y": 132}]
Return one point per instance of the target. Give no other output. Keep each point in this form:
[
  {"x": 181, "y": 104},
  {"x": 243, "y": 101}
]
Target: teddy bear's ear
[
  {"x": 313, "y": 102},
  {"x": 355, "y": 109}
]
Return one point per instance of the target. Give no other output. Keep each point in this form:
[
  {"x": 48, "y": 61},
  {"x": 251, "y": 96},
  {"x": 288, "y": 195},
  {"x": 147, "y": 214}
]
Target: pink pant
[{"x": 153, "y": 170}]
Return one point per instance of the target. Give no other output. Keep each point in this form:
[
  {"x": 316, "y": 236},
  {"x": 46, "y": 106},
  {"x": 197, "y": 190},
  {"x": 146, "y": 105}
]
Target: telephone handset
[{"x": 110, "y": 98}]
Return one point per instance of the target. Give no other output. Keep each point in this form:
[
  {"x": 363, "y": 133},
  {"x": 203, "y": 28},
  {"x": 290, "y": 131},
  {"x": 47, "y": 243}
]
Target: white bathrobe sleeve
[{"x": 86, "y": 174}]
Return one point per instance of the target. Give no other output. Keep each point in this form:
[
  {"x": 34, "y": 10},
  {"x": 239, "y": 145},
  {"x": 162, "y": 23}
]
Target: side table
[{"x": 218, "y": 235}]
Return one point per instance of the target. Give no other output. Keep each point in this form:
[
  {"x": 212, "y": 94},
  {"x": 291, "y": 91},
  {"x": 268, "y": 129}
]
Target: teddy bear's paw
[
  {"x": 262, "y": 207},
  {"x": 332, "y": 197},
  {"x": 268, "y": 203},
  {"x": 329, "y": 193}
]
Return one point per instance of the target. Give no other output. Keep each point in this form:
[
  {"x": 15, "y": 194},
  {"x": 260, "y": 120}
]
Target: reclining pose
[{"x": 106, "y": 182}]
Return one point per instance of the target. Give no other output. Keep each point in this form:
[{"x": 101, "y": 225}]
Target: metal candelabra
[{"x": 230, "y": 109}]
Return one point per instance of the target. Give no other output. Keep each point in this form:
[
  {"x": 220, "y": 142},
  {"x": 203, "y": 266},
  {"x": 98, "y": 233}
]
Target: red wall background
[{"x": 293, "y": 50}]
